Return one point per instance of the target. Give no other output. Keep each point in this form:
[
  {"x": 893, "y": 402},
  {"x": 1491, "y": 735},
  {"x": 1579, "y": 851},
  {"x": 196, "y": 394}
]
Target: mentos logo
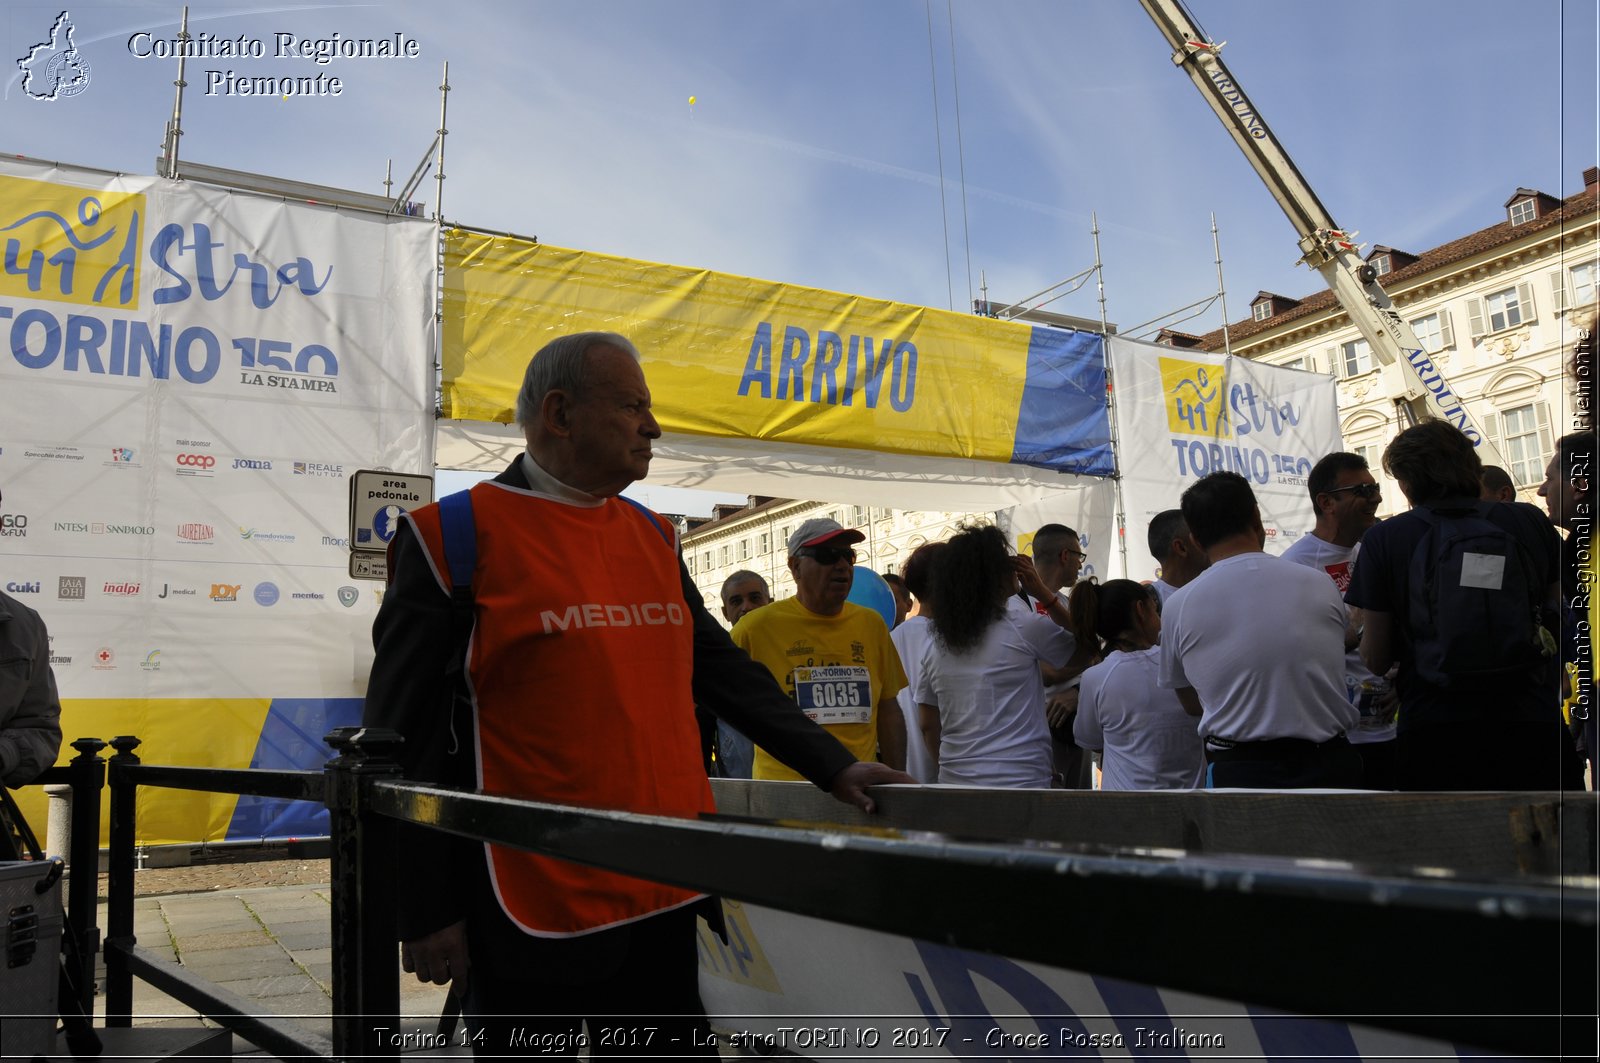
[{"x": 195, "y": 464}]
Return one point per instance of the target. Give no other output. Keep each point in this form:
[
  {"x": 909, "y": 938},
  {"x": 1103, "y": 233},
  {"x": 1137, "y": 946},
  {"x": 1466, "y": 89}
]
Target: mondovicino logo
[
  {"x": 225, "y": 592},
  {"x": 74, "y": 588},
  {"x": 54, "y": 69},
  {"x": 256, "y": 535}
]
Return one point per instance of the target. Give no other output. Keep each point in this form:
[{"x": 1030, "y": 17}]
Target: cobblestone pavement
[{"x": 241, "y": 875}]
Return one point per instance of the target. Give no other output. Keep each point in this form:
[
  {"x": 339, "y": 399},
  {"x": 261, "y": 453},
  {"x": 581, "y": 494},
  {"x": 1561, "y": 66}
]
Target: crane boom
[{"x": 1328, "y": 249}]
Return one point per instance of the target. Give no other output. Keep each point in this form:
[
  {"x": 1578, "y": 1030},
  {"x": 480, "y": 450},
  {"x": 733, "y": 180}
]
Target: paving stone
[
  {"x": 237, "y": 939},
  {"x": 272, "y": 985}
]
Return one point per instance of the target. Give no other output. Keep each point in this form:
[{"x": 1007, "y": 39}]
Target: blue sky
[{"x": 812, "y": 153}]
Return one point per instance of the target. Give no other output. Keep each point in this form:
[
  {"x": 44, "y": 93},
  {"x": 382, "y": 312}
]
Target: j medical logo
[
  {"x": 1193, "y": 394},
  {"x": 54, "y": 69}
]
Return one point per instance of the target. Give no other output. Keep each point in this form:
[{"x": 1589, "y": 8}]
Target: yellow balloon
[{"x": 691, "y": 101}]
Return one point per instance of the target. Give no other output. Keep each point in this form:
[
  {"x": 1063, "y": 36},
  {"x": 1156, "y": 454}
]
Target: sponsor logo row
[
  {"x": 18, "y": 525},
  {"x": 193, "y": 458},
  {"x": 266, "y": 593}
]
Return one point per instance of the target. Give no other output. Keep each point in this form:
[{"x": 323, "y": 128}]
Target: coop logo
[
  {"x": 317, "y": 468},
  {"x": 195, "y": 464},
  {"x": 196, "y": 533},
  {"x": 13, "y": 526},
  {"x": 121, "y": 590},
  {"x": 24, "y": 588},
  {"x": 266, "y": 594},
  {"x": 73, "y": 588},
  {"x": 54, "y": 69},
  {"x": 151, "y": 662},
  {"x": 252, "y": 463},
  {"x": 225, "y": 592},
  {"x": 104, "y": 659}
]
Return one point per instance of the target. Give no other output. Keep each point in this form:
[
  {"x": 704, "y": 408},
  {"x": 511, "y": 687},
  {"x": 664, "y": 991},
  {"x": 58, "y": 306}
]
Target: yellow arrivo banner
[{"x": 736, "y": 357}]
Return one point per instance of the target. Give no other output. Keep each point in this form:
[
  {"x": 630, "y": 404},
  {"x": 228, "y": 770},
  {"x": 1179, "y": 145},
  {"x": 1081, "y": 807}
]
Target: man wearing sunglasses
[
  {"x": 1346, "y": 500},
  {"x": 833, "y": 657}
]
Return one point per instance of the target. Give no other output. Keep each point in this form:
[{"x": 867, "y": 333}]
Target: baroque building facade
[
  {"x": 1497, "y": 312},
  {"x": 755, "y": 537}
]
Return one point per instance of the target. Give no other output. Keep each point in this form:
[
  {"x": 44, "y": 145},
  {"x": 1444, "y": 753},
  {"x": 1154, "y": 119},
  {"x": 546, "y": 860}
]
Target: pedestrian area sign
[{"x": 377, "y": 501}]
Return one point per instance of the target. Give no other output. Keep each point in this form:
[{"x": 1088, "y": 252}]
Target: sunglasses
[
  {"x": 1368, "y": 491},
  {"x": 828, "y": 555}
]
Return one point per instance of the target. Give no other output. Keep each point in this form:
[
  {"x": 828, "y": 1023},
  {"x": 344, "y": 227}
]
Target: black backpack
[{"x": 1475, "y": 598}]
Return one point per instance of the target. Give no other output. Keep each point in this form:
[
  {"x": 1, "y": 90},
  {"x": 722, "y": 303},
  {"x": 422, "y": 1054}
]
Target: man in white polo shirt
[{"x": 1254, "y": 646}]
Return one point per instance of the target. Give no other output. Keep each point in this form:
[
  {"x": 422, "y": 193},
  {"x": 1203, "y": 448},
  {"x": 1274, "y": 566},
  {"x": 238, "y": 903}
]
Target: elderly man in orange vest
[{"x": 589, "y": 649}]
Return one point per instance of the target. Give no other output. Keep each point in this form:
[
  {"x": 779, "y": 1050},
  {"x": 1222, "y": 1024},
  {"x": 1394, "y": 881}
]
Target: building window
[
  {"x": 1503, "y": 309},
  {"x": 1305, "y": 362},
  {"x": 727, "y": 555},
  {"x": 1573, "y": 287},
  {"x": 1356, "y": 357},
  {"x": 1382, "y": 263},
  {"x": 1525, "y": 441},
  {"x": 1433, "y": 332},
  {"x": 705, "y": 563},
  {"x": 765, "y": 543},
  {"x": 1523, "y": 211},
  {"x": 1262, "y": 310},
  {"x": 861, "y": 517},
  {"x": 744, "y": 549},
  {"x": 690, "y": 562},
  {"x": 783, "y": 535}
]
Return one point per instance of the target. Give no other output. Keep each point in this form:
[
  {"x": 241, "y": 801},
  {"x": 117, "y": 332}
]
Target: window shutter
[
  {"x": 1334, "y": 366},
  {"x": 1310, "y": 363},
  {"x": 1447, "y": 337},
  {"x": 1558, "y": 290},
  {"x": 1491, "y": 431},
  {"x": 1547, "y": 444},
  {"x": 1475, "y": 317},
  {"x": 1525, "y": 297}
]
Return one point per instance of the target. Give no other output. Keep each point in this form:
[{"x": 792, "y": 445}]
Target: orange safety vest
[{"x": 579, "y": 666}]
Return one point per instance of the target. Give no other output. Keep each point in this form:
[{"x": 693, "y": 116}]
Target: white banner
[
  {"x": 188, "y": 375},
  {"x": 1182, "y": 414}
]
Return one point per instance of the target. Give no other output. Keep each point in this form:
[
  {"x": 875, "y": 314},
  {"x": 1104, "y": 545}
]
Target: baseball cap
[{"x": 819, "y": 530}]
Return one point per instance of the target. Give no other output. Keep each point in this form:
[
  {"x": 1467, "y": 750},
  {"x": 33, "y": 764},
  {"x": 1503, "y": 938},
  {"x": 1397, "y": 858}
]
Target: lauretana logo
[{"x": 196, "y": 533}]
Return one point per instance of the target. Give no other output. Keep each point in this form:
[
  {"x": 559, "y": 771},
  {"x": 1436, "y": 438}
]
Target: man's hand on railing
[
  {"x": 440, "y": 957},
  {"x": 850, "y": 785}
]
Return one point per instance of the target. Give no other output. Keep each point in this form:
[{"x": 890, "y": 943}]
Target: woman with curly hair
[
  {"x": 1145, "y": 738},
  {"x": 980, "y": 693}
]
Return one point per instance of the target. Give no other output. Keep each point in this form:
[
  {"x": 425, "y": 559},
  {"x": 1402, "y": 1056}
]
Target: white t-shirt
[
  {"x": 911, "y": 638},
  {"x": 1148, "y": 741},
  {"x": 992, "y": 730},
  {"x": 1338, "y": 562},
  {"x": 1164, "y": 589},
  {"x": 1261, "y": 641}
]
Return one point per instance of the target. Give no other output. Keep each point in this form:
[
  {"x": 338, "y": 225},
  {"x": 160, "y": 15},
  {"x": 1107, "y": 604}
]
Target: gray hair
[{"x": 562, "y": 365}]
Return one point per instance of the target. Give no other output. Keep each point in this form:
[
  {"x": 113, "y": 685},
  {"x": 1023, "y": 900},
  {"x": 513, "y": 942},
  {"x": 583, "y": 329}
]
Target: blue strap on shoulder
[
  {"x": 649, "y": 516},
  {"x": 460, "y": 534}
]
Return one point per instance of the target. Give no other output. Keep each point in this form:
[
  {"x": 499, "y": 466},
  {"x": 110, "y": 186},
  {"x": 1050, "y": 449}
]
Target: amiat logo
[
  {"x": 1193, "y": 394},
  {"x": 68, "y": 246},
  {"x": 54, "y": 69}
]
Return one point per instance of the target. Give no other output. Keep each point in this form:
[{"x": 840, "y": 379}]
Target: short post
[
  {"x": 58, "y": 821},
  {"x": 83, "y": 885},
  {"x": 362, "y": 865},
  {"x": 119, "y": 891}
]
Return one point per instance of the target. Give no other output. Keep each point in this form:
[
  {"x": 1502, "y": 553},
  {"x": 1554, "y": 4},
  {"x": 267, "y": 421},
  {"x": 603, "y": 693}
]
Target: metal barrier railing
[{"x": 1432, "y": 956}]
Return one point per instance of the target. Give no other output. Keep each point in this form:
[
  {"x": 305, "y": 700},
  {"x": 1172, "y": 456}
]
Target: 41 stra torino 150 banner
[{"x": 188, "y": 376}]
